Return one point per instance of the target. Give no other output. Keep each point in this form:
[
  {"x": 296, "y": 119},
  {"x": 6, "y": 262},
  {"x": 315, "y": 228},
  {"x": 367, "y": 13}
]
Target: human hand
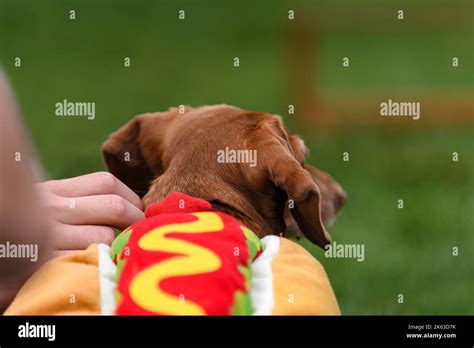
[{"x": 82, "y": 210}]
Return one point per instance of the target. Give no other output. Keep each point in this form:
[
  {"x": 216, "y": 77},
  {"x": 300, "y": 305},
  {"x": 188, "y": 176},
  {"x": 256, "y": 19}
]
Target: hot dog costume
[{"x": 183, "y": 259}]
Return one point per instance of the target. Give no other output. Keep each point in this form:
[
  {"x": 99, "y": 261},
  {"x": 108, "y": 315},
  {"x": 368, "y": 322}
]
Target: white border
[
  {"x": 261, "y": 291},
  {"x": 107, "y": 270}
]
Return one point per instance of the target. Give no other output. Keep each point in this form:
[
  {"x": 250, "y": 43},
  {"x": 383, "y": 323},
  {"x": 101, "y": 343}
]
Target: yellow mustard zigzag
[{"x": 193, "y": 259}]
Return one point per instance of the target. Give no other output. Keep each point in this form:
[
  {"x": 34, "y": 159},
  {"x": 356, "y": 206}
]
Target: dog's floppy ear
[
  {"x": 288, "y": 173},
  {"x": 133, "y": 153}
]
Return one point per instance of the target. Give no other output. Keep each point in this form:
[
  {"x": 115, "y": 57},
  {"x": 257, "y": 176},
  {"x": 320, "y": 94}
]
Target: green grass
[
  {"x": 173, "y": 62},
  {"x": 407, "y": 251}
]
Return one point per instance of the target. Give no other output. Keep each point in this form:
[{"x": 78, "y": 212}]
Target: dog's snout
[{"x": 341, "y": 198}]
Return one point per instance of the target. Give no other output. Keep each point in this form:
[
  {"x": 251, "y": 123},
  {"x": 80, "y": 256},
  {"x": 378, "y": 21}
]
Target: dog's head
[{"x": 244, "y": 163}]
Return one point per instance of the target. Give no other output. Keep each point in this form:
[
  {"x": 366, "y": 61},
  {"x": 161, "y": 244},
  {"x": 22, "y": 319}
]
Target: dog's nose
[{"x": 340, "y": 199}]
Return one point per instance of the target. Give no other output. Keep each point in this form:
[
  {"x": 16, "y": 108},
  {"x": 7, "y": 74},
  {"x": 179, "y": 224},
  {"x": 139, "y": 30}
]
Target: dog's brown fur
[
  {"x": 170, "y": 151},
  {"x": 333, "y": 198}
]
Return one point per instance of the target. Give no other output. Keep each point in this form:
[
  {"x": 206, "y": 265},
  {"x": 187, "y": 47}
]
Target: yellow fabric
[
  {"x": 66, "y": 285},
  {"x": 300, "y": 284}
]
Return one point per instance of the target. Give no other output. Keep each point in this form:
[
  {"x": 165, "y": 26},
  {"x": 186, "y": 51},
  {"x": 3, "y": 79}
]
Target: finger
[
  {"x": 100, "y": 183},
  {"x": 107, "y": 210},
  {"x": 72, "y": 237}
]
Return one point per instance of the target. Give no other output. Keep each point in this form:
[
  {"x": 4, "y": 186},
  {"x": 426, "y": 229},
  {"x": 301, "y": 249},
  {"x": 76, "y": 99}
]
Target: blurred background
[{"x": 286, "y": 62}]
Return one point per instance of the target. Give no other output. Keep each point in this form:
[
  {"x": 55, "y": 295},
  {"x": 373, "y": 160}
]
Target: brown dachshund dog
[{"x": 159, "y": 153}]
